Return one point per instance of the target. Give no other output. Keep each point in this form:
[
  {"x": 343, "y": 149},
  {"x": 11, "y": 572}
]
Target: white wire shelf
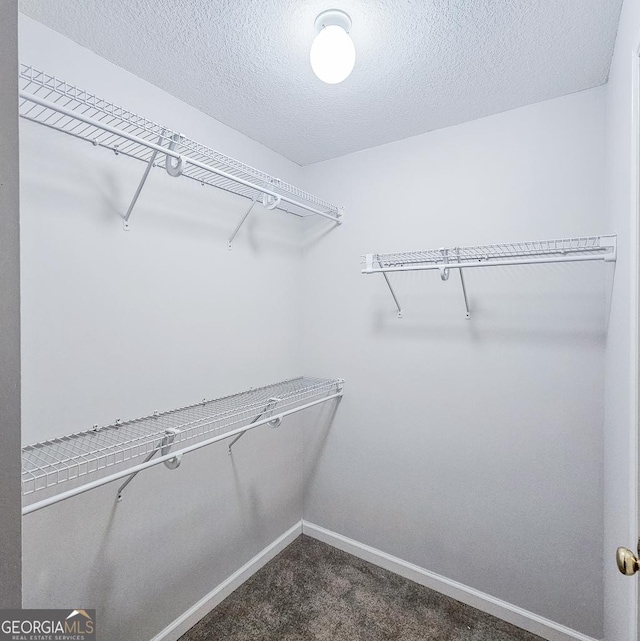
[
  {"x": 88, "y": 456},
  {"x": 52, "y": 102},
  {"x": 527, "y": 252},
  {"x": 582, "y": 248}
]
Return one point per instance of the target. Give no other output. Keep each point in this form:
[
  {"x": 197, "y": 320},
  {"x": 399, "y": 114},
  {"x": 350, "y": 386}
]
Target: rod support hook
[
  {"x": 175, "y": 166},
  {"x": 444, "y": 270},
  {"x": 270, "y": 202},
  {"x": 167, "y": 442}
]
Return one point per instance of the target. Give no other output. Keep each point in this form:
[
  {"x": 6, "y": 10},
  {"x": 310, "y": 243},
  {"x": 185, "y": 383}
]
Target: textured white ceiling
[{"x": 421, "y": 65}]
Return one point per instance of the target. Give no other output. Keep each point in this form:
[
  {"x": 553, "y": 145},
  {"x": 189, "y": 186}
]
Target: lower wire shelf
[{"x": 60, "y": 468}]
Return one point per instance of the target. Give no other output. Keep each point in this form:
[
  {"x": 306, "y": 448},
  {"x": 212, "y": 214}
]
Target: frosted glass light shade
[{"x": 333, "y": 55}]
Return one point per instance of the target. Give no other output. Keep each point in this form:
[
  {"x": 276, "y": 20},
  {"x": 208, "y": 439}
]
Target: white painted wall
[
  {"x": 472, "y": 449},
  {"x": 118, "y": 324},
  {"x": 10, "y": 523},
  {"x": 621, "y": 526}
]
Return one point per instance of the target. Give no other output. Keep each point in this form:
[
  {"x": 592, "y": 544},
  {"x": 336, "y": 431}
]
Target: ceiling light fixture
[{"x": 333, "y": 54}]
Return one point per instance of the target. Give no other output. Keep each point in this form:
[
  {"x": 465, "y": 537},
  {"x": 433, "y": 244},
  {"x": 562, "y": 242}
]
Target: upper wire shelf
[
  {"x": 527, "y": 252},
  {"x": 559, "y": 250},
  {"x": 52, "y": 102},
  {"x": 122, "y": 445}
]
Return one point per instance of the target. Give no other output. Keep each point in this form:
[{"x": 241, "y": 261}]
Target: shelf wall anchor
[
  {"x": 239, "y": 225},
  {"x": 145, "y": 175},
  {"x": 269, "y": 407},
  {"x": 164, "y": 447},
  {"x": 395, "y": 298}
]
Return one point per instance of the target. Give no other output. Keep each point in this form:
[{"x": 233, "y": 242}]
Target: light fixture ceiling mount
[
  {"x": 333, "y": 54},
  {"x": 333, "y": 17}
]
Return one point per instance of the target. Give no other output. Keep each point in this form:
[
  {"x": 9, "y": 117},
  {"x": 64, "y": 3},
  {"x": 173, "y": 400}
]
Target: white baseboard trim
[
  {"x": 520, "y": 617},
  {"x": 506, "y": 611},
  {"x": 187, "y": 620}
]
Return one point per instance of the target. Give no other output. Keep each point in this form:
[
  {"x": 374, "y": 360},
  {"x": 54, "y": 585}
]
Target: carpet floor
[{"x": 314, "y": 592}]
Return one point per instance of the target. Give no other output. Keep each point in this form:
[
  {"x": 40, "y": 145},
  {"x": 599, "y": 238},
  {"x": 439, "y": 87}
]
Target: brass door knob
[{"x": 627, "y": 561}]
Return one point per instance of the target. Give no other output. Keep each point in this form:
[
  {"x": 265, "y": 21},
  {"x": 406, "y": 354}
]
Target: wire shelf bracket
[
  {"x": 136, "y": 195},
  {"x": 90, "y": 459},
  {"x": 582, "y": 248},
  {"x": 271, "y": 403},
  {"x": 164, "y": 447},
  {"x": 393, "y": 294},
  {"x": 49, "y": 101},
  {"x": 240, "y": 223}
]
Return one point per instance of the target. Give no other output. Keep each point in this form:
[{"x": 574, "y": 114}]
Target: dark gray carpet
[{"x": 313, "y": 592}]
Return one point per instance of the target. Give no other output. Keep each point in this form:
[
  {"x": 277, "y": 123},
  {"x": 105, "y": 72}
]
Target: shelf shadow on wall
[
  {"x": 316, "y": 232},
  {"x": 317, "y": 428},
  {"x": 493, "y": 323},
  {"x": 76, "y": 182},
  {"x": 523, "y": 303},
  {"x": 251, "y": 516}
]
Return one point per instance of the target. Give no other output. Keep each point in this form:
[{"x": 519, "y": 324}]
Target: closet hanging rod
[
  {"x": 173, "y": 154},
  {"x": 55, "y": 462}
]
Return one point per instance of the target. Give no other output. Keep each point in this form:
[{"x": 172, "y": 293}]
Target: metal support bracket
[
  {"x": 269, "y": 407},
  {"x": 164, "y": 447},
  {"x": 464, "y": 294},
  {"x": 464, "y": 289},
  {"x": 395, "y": 298},
  {"x": 239, "y": 225},
  {"x": 145, "y": 175}
]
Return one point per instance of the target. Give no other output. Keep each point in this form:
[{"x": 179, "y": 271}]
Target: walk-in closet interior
[{"x": 319, "y": 319}]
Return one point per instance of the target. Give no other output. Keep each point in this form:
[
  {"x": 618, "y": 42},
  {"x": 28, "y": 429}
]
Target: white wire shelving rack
[
  {"x": 559, "y": 250},
  {"x": 70, "y": 465},
  {"x": 54, "y": 103}
]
